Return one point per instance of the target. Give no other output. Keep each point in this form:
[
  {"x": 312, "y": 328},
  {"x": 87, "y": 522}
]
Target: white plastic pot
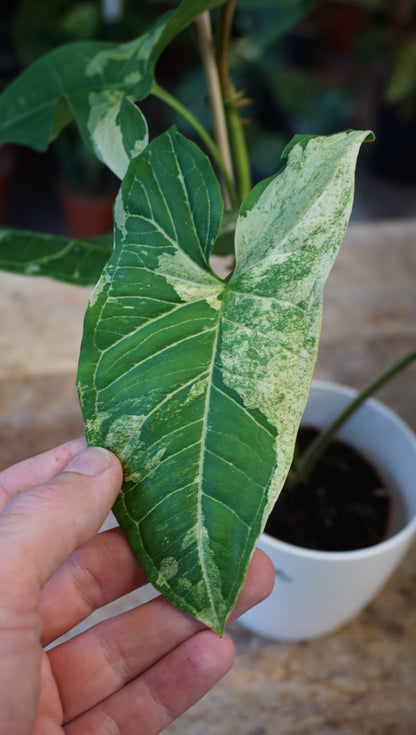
[{"x": 318, "y": 591}]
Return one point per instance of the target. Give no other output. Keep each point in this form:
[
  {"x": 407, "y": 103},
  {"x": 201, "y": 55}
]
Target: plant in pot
[
  {"x": 346, "y": 515},
  {"x": 197, "y": 382}
]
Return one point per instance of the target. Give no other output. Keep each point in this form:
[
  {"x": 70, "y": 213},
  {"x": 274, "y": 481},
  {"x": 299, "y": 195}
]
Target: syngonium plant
[{"x": 198, "y": 384}]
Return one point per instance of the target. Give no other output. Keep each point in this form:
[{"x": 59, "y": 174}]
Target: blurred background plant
[
  {"x": 307, "y": 66},
  {"x": 82, "y": 188}
]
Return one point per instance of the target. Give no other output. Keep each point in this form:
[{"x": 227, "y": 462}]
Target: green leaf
[
  {"x": 64, "y": 259},
  {"x": 97, "y": 83},
  {"x": 225, "y": 241},
  {"x": 271, "y": 20},
  {"x": 198, "y": 384}
]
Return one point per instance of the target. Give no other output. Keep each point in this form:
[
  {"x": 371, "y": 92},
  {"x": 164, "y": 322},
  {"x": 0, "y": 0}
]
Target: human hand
[{"x": 131, "y": 674}]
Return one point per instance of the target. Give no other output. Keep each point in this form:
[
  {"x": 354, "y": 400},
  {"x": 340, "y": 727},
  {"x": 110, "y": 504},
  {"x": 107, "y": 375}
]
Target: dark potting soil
[{"x": 344, "y": 507}]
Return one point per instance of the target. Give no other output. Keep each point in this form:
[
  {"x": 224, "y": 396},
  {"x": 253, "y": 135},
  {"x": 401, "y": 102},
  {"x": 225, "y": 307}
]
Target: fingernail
[{"x": 90, "y": 462}]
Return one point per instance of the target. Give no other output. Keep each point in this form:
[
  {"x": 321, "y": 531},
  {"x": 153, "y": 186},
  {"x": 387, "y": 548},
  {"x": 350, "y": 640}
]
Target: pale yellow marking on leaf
[
  {"x": 196, "y": 390},
  {"x": 106, "y": 133},
  {"x": 122, "y": 430},
  {"x": 121, "y": 53},
  {"x": 120, "y": 215},
  {"x": 168, "y": 570},
  {"x": 99, "y": 287},
  {"x": 189, "y": 280}
]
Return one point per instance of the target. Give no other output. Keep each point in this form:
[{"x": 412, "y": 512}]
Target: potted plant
[
  {"x": 347, "y": 515},
  {"x": 85, "y": 187},
  {"x": 198, "y": 383}
]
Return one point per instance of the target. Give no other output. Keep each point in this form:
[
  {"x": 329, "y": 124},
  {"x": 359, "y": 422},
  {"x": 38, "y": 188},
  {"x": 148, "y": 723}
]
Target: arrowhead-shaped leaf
[
  {"x": 62, "y": 258},
  {"x": 198, "y": 384},
  {"x": 97, "y": 83}
]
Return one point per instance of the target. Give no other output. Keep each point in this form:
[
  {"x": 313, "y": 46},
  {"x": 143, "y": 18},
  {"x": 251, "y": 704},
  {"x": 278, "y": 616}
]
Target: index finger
[{"x": 38, "y": 469}]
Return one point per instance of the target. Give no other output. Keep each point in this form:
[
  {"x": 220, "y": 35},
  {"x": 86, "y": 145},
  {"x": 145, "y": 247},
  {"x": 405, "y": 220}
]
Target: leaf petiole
[
  {"x": 209, "y": 143},
  {"x": 307, "y": 461}
]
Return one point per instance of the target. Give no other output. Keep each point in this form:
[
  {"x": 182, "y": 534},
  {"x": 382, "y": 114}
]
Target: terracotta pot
[
  {"x": 318, "y": 591},
  {"x": 86, "y": 215},
  {"x": 340, "y": 25}
]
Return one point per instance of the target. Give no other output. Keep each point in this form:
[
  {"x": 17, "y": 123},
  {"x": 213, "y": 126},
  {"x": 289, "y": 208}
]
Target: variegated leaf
[
  {"x": 199, "y": 384},
  {"x": 97, "y": 83},
  {"x": 62, "y": 258}
]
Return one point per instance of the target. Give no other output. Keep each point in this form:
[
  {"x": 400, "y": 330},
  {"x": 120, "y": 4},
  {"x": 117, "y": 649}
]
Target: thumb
[{"x": 43, "y": 525}]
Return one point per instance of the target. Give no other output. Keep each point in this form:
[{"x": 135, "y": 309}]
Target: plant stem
[
  {"x": 231, "y": 99},
  {"x": 306, "y": 463},
  {"x": 238, "y": 139},
  {"x": 206, "y": 48},
  {"x": 209, "y": 143}
]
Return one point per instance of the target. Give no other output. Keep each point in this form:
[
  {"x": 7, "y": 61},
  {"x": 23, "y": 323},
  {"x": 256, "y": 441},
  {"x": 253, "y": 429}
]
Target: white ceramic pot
[{"x": 318, "y": 591}]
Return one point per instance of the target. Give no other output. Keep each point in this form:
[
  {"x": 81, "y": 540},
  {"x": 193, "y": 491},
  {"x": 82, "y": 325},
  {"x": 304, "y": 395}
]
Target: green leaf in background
[
  {"x": 224, "y": 244},
  {"x": 267, "y": 21},
  {"x": 97, "y": 83},
  {"x": 62, "y": 258},
  {"x": 199, "y": 384}
]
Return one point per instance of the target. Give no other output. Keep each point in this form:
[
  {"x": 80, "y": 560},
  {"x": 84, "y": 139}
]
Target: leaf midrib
[{"x": 201, "y": 468}]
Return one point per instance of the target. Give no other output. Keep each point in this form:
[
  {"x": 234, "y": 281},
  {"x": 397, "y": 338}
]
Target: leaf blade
[
  {"x": 178, "y": 295},
  {"x": 97, "y": 83},
  {"x": 288, "y": 234},
  {"x": 79, "y": 262},
  {"x": 197, "y": 384}
]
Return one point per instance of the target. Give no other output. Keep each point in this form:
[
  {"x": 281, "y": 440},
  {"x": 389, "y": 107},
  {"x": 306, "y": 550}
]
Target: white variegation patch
[
  {"x": 122, "y": 430},
  {"x": 189, "y": 280},
  {"x": 120, "y": 54},
  {"x": 190, "y": 538},
  {"x": 32, "y": 269},
  {"x": 168, "y": 570},
  {"x": 112, "y": 143},
  {"x": 93, "y": 425},
  {"x": 196, "y": 389},
  {"x": 139, "y": 50},
  {"x": 101, "y": 284},
  {"x": 120, "y": 215}
]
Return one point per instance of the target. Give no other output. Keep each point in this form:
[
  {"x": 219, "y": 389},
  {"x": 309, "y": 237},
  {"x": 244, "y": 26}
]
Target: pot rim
[{"x": 397, "y": 538}]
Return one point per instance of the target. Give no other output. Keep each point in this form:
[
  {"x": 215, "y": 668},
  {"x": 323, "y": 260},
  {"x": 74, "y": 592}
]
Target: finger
[
  {"x": 102, "y": 660},
  {"x": 94, "y": 575},
  {"x": 258, "y": 584},
  {"x": 38, "y": 469},
  {"x": 149, "y": 704},
  {"x": 41, "y": 527},
  {"x": 100, "y": 572}
]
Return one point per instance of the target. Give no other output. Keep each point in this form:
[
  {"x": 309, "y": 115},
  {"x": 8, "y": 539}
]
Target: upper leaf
[
  {"x": 97, "y": 83},
  {"x": 199, "y": 385}
]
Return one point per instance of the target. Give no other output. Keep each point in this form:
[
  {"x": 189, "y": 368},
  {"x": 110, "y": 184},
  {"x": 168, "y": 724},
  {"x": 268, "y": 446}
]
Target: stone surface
[
  {"x": 39, "y": 346},
  {"x": 369, "y": 317},
  {"x": 360, "y": 680}
]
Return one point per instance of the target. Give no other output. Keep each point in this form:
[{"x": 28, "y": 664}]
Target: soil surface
[{"x": 344, "y": 507}]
